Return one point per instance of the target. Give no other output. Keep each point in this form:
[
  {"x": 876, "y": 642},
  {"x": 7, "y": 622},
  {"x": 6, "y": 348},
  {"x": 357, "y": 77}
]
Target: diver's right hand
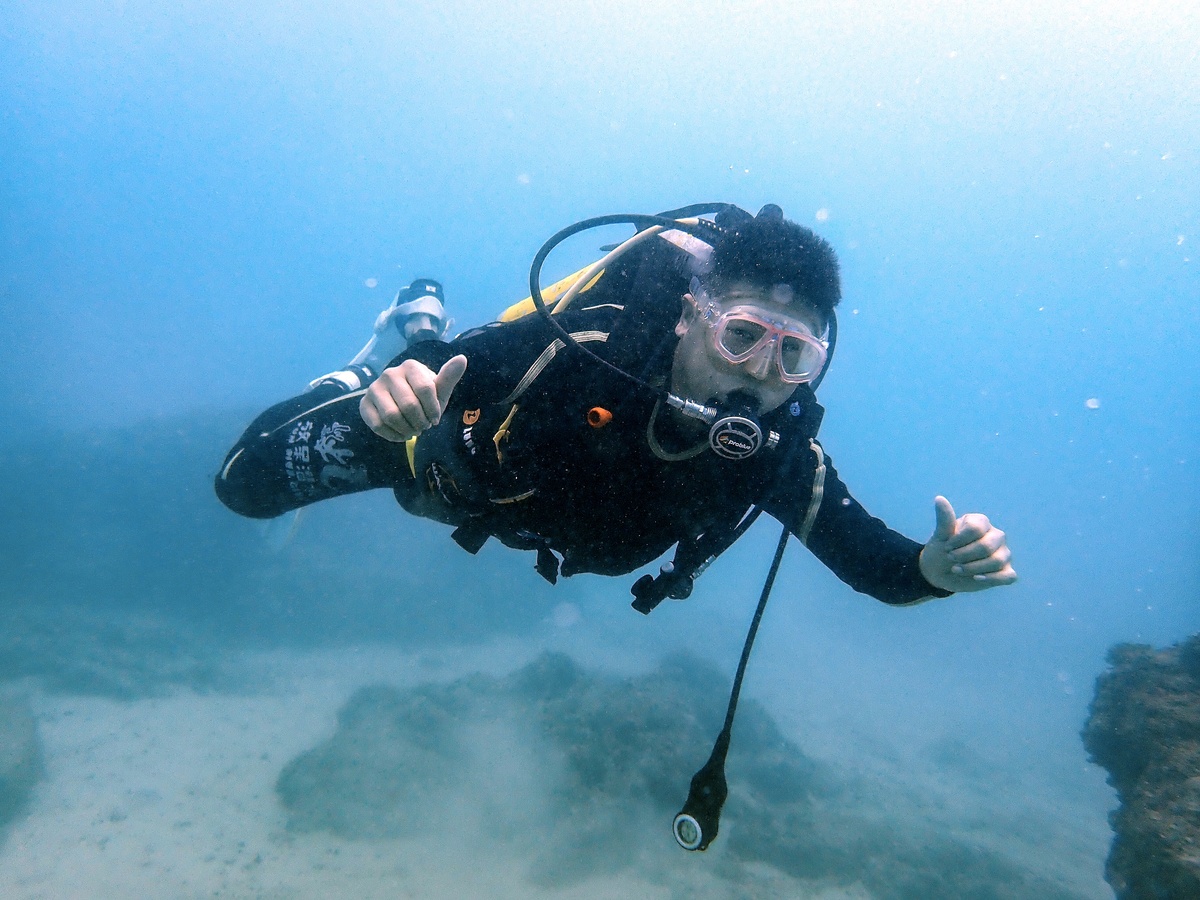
[{"x": 408, "y": 398}]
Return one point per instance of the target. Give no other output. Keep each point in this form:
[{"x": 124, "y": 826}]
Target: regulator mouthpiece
[
  {"x": 735, "y": 435},
  {"x": 734, "y": 432}
]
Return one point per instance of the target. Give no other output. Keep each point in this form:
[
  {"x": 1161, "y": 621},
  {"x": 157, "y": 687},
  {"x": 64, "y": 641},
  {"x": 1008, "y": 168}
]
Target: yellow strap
[
  {"x": 502, "y": 433},
  {"x": 410, "y": 448}
]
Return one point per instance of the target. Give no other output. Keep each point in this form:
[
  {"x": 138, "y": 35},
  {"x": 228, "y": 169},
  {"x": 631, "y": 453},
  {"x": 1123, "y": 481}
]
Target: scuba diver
[
  {"x": 502, "y": 432},
  {"x": 662, "y": 397}
]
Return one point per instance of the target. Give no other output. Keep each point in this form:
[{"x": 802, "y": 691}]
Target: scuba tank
[{"x": 415, "y": 314}]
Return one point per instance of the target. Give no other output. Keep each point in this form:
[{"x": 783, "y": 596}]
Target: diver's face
[{"x": 701, "y": 372}]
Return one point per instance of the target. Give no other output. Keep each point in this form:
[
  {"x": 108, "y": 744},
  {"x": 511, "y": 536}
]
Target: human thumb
[
  {"x": 448, "y": 377},
  {"x": 946, "y": 521}
]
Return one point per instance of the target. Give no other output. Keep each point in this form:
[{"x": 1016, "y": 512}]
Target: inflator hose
[
  {"x": 699, "y": 228},
  {"x": 697, "y": 823}
]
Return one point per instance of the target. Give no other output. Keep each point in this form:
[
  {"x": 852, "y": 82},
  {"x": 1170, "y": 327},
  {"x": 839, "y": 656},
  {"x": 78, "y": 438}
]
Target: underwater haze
[{"x": 203, "y": 206}]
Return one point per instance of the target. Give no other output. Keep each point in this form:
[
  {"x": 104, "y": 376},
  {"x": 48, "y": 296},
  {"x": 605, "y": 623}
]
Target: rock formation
[
  {"x": 1144, "y": 727},
  {"x": 580, "y": 775}
]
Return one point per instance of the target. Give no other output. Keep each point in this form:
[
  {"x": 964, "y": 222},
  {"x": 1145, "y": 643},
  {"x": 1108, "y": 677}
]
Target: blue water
[{"x": 203, "y": 206}]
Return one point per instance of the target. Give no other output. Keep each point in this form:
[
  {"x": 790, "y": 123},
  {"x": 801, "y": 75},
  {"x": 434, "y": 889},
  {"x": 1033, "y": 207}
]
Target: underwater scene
[{"x": 394, "y": 655}]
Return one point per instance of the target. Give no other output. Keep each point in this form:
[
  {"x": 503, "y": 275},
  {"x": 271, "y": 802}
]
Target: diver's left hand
[{"x": 965, "y": 554}]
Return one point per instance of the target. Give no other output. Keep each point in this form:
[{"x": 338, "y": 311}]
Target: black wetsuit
[{"x": 516, "y": 457}]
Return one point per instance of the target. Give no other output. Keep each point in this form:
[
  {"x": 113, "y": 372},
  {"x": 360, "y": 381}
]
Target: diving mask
[{"x": 740, "y": 332}]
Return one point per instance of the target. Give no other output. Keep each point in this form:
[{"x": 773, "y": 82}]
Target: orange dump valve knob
[{"x": 598, "y": 417}]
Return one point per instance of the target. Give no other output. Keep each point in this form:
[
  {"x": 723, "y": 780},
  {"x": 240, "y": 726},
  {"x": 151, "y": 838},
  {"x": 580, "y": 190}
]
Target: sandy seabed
[{"x": 174, "y": 796}]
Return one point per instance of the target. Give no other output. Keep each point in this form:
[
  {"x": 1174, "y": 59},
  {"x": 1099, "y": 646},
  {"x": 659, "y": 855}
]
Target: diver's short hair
[{"x": 768, "y": 249}]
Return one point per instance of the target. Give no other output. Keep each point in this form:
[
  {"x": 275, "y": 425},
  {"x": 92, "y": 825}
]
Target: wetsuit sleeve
[
  {"x": 857, "y": 547},
  {"x": 306, "y": 449}
]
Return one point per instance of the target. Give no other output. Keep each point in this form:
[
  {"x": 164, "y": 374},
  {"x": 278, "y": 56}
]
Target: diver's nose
[{"x": 759, "y": 365}]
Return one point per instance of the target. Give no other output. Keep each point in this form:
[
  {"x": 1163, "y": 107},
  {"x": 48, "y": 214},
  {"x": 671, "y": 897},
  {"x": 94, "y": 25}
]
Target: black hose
[
  {"x": 668, "y": 219},
  {"x": 641, "y": 222},
  {"x": 697, "y": 824},
  {"x": 758, "y": 614}
]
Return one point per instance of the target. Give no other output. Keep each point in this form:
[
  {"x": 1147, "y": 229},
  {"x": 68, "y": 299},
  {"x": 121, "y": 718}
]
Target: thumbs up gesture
[
  {"x": 409, "y": 398},
  {"x": 965, "y": 554}
]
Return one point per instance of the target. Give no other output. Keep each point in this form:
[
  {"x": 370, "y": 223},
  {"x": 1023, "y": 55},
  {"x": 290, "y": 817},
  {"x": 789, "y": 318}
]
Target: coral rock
[{"x": 1144, "y": 727}]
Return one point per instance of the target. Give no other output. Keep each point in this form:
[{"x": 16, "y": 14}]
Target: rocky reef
[
  {"x": 1144, "y": 728},
  {"x": 580, "y": 775}
]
